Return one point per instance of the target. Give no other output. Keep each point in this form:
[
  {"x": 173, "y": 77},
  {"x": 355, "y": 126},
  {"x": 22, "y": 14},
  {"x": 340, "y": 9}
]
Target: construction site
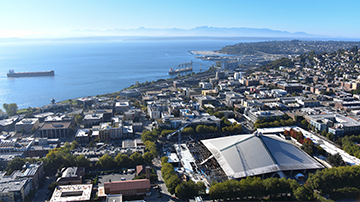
[{"x": 205, "y": 164}]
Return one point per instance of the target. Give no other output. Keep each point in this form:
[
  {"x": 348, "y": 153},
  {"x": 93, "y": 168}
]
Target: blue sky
[{"x": 331, "y": 18}]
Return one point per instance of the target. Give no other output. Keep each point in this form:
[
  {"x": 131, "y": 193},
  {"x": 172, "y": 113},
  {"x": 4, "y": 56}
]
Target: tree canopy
[
  {"x": 15, "y": 164},
  {"x": 106, "y": 161},
  {"x": 335, "y": 181},
  {"x": 255, "y": 188},
  {"x": 78, "y": 119},
  {"x": 60, "y": 157},
  {"x": 136, "y": 158},
  {"x": 10, "y": 109}
]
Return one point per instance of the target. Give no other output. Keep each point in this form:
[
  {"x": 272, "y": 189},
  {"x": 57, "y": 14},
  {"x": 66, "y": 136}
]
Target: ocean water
[{"x": 90, "y": 68}]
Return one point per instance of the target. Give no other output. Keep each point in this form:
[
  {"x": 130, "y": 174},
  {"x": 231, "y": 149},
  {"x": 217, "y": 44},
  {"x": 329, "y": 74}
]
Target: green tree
[
  {"x": 303, "y": 194},
  {"x": 171, "y": 183},
  {"x": 58, "y": 158},
  {"x": 136, "y": 158},
  {"x": 225, "y": 122},
  {"x": 323, "y": 133},
  {"x": 210, "y": 111},
  {"x": 78, "y": 119},
  {"x": 10, "y": 109},
  {"x": 335, "y": 160},
  {"x": 217, "y": 191},
  {"x": 81, "y": 161},
  {"x": 164, "y": 160},
  {"x": 219, "y": 114},
  {"x": 148, "y": 157},
  {"x": 167, "y": 171},
  {"x": 74, "y": 145},
  {"x": 149, "y": 135},
  {"x": 188, "y": 131},
  {"x": 272, "y": 186},
  {"x": 200, "y": 129},
  {"x": 186, "y": 190},
  {"x": 15, "y": 164},
  {"x": 122, "y": 160},
  {"x": 106, "y": 161},
  {"x": 201, "y": 188},
  {"x": 330, "y": 136},
  {"x": 165, "y": 132},
  {"x": 151, "y": 147},
  {"x": 304, "y": 123},
  {"x": 67, "y": 145}
]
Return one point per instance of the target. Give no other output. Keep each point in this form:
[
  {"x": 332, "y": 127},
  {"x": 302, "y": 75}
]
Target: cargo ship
[
  {"x": 188, "y": 69},
  {"x": 12, "y": 73}
]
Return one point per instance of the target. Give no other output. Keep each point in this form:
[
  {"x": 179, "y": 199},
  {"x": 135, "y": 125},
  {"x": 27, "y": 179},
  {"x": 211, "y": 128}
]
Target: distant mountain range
[
  {"x": 194, "y": 32},
  {"x": 204, "y": 32}
]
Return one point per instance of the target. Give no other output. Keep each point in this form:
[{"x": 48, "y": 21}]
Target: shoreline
[{"x": 116, "y": 93}]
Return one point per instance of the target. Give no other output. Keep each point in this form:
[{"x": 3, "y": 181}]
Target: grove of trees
[
  {"x": 338, "y": 182},
  {"x": 255, "y": 188},
  {"x": 183, "y": 190},
  {"x": 266, "y": 123},
  {"x": 61, "y": 157},
  {"x": 10, "y": 109},
  {"x": 348, "y": 145}
]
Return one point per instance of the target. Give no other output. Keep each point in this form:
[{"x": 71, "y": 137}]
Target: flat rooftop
[
  {"x": 79, "y": 192},
  {"x": 59, "y": 125},
  {"x": 186, "y": 156}
]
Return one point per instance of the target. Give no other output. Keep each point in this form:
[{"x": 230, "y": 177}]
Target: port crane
[
  {"x": 190, "y": 64},
  {"x": 201, "y": 64}
]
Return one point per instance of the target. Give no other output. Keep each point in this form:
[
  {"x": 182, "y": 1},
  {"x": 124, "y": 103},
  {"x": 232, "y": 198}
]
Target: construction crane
[{"x": 179, "y": 138}]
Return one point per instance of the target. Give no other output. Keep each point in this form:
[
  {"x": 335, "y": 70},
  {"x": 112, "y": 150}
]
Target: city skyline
[{"x": 57, "y": 18}]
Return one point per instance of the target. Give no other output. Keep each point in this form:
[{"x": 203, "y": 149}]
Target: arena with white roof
[{"x": 256, "y": 154}]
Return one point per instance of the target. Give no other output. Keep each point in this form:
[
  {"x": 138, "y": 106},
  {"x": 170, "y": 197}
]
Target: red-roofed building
[
  {"x": 141, "y": 169},
  {"x": 128, "y": 188}
]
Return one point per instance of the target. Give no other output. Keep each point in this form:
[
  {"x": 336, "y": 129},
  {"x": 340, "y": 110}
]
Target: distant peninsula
[{"x": 293, "y": 47}]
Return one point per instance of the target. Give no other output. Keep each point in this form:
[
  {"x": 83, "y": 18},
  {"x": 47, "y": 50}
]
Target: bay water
[{"x": 86, "y": 68}]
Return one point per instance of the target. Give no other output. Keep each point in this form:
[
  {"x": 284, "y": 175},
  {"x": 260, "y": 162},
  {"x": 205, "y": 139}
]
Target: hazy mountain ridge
[{"x": 198, "y": 31}]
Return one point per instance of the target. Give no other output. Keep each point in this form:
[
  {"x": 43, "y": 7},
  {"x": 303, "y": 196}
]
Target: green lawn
[{"x": 22, "y": 111}]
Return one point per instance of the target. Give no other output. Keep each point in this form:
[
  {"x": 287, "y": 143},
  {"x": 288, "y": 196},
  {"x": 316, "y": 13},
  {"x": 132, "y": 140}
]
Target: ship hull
[{"x": 31, "y": 74}]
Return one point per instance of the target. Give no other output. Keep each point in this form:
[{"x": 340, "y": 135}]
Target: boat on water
[
  {"x": 172, "y": 71},
  {"x": 12, "y": 73}
]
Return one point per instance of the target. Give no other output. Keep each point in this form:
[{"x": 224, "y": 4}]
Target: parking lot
[{"x": 114, "y": 177}]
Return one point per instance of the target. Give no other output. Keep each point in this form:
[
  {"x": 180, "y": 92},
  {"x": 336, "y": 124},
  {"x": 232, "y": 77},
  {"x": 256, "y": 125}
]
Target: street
[
  {"x": 164, "y": 194},
  {"x": 43, "y": 193}
]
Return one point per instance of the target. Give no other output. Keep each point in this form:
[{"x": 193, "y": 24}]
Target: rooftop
[
  {"x": 93, "y": 116},
  {"x": 251, "y": 154},
  {"x": 79, "y": 192},
  {"x": 55, "y": 125},
  {"x": 82, "y": 132},
  {"x": 28, "y": 121},
  {"x": 8, "y": 184},
  {"x": 127, "y": 185}
]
